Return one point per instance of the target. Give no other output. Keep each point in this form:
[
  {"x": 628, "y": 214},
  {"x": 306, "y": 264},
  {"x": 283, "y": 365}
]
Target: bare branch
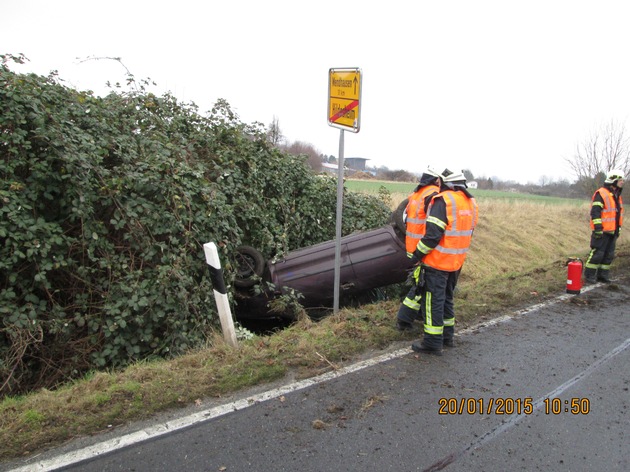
[
  {"x": 606, "y": 148},
  {"x": 130, "y": 77},
  {"x": 105, "y": 58}
]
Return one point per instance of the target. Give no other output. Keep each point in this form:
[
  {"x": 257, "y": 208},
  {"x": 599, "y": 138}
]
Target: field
[{"x": 400, "y": 191}]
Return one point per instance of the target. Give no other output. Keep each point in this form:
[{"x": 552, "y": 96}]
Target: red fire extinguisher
[{"x": 574, "y": 275}]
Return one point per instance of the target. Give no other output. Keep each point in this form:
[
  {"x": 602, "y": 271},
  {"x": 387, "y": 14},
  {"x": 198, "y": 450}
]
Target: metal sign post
[
  {"x": 338, "y": 224},
  {"x": 344, "y": 99}
]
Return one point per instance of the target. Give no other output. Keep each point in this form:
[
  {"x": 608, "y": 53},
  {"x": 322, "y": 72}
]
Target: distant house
[
  {"x": 472, "y": 184},
  {"x": 355, "y": 163},
  {"x": 329, "y": 168}
]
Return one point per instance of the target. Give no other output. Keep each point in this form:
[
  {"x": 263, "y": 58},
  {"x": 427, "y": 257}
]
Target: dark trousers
[
  {"x": 601, "y": 256},
  {"x": 410, "y": 307},
  {"x": 437, "y": 306}
]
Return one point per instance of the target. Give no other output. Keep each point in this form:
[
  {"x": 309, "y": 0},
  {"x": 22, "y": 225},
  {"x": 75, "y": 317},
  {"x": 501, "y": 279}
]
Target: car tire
[
  {"x": 397, "y": 218},
  {"x": 250, "y": 265}
]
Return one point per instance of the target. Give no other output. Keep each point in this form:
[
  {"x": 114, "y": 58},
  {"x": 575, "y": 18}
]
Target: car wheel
[
  {"x": 250, "y": 266},
  {"x": 397, "y": 217}
]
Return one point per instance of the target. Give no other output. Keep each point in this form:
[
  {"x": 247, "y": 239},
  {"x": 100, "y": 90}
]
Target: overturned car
[{"x": 369, "y": 260}]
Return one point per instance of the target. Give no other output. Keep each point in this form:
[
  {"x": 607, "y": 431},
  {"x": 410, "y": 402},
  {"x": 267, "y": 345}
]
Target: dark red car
[{"x": 369, "y": 260}]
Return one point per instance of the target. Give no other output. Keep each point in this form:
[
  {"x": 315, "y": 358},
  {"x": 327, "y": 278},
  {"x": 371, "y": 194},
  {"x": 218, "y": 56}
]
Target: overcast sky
[{"x": 503, "y": 88}]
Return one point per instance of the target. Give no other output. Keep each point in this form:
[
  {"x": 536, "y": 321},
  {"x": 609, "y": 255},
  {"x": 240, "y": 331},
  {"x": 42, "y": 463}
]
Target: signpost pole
[{"x": 338, "y": 224}]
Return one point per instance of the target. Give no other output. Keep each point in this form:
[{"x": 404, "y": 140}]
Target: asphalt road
[{"x": 501, "y": 400}]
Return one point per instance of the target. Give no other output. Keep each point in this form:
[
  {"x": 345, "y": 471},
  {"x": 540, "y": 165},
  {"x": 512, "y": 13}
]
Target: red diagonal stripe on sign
[{"x": 345, "y": 110}]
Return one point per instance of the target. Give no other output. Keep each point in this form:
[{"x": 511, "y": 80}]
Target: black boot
[
  {"x": 448, "y": 337},
  {"x": 420, "y": 346},
  {"x": 603, "y": 276},
  {"x": 590, "y": 276}
]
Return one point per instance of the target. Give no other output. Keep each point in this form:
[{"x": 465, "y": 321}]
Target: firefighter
[
  {"x": 606, "y": 221},
  {"x": 415, "y": 221},
  {"x": 452, "y": 217}
]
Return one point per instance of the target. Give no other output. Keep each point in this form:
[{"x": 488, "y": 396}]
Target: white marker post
[{"x": 220, "y": 293}]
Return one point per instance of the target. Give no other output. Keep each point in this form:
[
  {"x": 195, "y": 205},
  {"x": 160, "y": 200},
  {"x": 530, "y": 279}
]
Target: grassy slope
[{"x": 517, "y": 258}]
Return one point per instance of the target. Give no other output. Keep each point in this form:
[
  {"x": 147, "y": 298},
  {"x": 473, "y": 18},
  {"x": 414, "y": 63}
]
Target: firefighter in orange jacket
[
  {"x": 606, "y": 221},
  {"x": 415, "y": 221},
  {"x": 452, "y": 217}
]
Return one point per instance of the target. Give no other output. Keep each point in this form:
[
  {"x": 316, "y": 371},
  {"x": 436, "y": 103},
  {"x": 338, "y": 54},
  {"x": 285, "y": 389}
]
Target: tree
[
  {"x": 298, "y": 148},
  {"x": 607, "y": 148},
  {"x": 395, "y": 175},
  {"x": 274, "y": 133}
]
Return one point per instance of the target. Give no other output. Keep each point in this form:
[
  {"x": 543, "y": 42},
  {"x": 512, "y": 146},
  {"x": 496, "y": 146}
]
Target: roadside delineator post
[{"x": 220, "y": 293}]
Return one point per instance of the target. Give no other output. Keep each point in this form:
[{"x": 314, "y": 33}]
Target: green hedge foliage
[{"x": 105, "y": 205}]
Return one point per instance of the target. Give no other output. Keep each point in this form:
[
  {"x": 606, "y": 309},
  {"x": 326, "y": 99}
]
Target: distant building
[
  {"x": 351, "y": 165},
  {"x": 355, "y": 163},
  {"x": 329, "y": 168},
  {"x": 472, "y": 184}
]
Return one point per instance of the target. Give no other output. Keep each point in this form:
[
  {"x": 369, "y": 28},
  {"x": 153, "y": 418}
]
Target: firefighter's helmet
[
  {"x": 453, "y": 177},
  {"x": 431, "y": 171},
  {"x": 613, "y": 176}
]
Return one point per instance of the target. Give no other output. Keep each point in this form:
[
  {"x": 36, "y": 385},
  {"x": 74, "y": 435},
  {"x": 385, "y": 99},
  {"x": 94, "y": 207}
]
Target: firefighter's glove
[
  {"x": 598, "y": 234},
  {"x": 416, "y": 257}
]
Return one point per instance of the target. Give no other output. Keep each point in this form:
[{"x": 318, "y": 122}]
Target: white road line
[{"x": 186, "y": 421}]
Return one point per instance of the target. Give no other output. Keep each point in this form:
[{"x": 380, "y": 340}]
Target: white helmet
[
  {"x": 431, "y": 171},
  {"x": 613, "y": 176},
  {"x": 453, "y": 177}
]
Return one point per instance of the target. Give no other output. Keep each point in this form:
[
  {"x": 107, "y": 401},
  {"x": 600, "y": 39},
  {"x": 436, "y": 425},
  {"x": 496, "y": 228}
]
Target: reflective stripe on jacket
[
  {"x": 462, "y": 214},
  {"x": 416, "y": 221},
  {"x": 608, "y": 218}
]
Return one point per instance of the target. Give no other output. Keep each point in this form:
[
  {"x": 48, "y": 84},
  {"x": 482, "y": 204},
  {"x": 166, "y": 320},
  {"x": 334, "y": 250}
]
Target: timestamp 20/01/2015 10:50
[{"x": 509, "y": 406}]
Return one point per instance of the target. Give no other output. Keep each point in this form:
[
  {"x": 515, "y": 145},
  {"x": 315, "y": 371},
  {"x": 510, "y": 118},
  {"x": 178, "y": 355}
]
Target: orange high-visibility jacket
[
  {"x": 462, "y": 214},
  {"x": 608, "y": 218},
  {"x": 416, "y": 221}
]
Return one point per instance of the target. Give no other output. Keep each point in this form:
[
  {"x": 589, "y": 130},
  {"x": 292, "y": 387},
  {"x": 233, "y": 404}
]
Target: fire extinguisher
[{"x": 574, "y": 275}]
